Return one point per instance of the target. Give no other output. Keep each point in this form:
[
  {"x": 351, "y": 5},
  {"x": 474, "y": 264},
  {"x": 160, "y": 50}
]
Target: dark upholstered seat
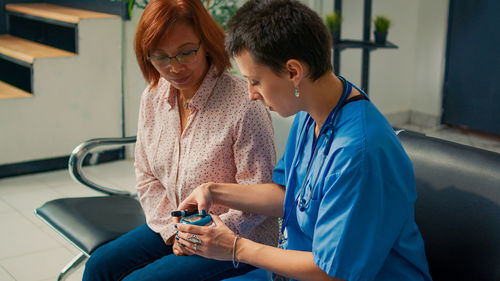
[
  {"x": 88, "y": 222},
  {"x": 458, "y": 207},
  {"x": 457, "y": 210}
]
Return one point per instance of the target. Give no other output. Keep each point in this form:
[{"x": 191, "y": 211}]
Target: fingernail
[
  {"x": 212, "y": 213},
  {"x": 182, "y": 245},
  {"x": 203, "y": 213},
  {"x": 177, "y": 237},
  {"x": 175, "y": 225}
]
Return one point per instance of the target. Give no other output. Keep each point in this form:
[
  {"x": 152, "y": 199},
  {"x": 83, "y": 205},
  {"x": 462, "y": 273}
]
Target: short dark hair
[{"x": 274, "y": 31}]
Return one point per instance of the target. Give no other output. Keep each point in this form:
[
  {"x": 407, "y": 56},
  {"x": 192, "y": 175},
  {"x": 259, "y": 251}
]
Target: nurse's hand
[
  {"x": 215, "y": 242},
  {"x": 200, "y": 199}
]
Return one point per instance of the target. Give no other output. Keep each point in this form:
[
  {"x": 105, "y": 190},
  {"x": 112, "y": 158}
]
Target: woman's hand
[
  {"x": 176, "y": 247},
  {"x": 179, "y": 250},
  {"x": 200, "y": 199},
  {"x": 215, "y": 242}
]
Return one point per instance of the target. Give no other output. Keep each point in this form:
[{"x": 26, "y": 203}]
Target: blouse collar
[{"x": 201, "y": 96}]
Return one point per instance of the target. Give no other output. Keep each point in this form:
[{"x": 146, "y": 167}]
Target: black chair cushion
[
  {"x": 458, "y": 207},
  {"x": 89, "y": 222}
]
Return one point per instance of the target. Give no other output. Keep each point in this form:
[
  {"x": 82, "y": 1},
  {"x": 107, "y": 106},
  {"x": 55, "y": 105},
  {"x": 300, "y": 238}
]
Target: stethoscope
[{"x": 327, "y": 131}]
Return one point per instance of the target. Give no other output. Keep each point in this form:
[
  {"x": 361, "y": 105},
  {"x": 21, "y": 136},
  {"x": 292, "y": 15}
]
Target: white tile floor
[{"x": 31, "y": 251}]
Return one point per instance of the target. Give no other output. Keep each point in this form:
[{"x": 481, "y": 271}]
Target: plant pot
[{"x": 380, "y": 37}]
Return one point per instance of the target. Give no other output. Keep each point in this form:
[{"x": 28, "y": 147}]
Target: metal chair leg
[{"x": 72, "y": 266}]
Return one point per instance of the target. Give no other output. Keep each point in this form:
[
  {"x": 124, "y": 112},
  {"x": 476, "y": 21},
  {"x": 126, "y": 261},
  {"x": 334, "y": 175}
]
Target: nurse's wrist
[
  {"x": 239, "y": 253},
  {"x": 212, "y": 191},
  {"x": 245, "y": 249}
]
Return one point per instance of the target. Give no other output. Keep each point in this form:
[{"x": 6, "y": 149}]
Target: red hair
[{"x": 160, "y": 16}]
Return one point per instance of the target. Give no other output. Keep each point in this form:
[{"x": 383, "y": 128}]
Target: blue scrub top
[{"x": 359, "y": 223}]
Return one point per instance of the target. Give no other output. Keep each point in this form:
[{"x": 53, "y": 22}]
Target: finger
[
  {"x": 202, "y": 208},
  {"x": 193, "y": 238},
  {"x": 189, "y": 247},
  {"x": 182, "y": 235},
  {"x": 188, "y": 204},
  {"x": 216, "y": 219},
  {"x": 180, "y": 250},
  {"x": 181, "y": 247},
  {"x": 183, "y": 239},
  {"x": 191, "y": 228},
  {"x": 176, "y": 251},
  {"x": 190, "y": 252},
  {"x": 198, "y": 199}
]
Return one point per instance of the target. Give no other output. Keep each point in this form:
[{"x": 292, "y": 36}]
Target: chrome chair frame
[
  {"x": 75, "y": 164},
  {"x": 78, "y": 155}
]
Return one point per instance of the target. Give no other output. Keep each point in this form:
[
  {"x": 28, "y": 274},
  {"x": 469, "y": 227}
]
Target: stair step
[
  {"x": 17, "y": 56},
  {"x": 27, "y": 51},
  {"x": 10, "y": 92},
  {"x": 55, "y": 12}
]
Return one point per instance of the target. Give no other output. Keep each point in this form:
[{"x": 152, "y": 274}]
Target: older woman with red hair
[{"x": 196, "y": 125}]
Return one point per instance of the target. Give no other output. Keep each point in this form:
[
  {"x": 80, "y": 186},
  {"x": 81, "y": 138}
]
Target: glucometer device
[
  {"x": 183, "y": 213},
  {"x": 197, "y": 219}
]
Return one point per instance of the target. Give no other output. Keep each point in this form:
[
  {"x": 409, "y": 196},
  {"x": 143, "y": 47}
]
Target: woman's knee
[
  {"x": 97, "y": 265},
  {"x": 103, "y": 264}
]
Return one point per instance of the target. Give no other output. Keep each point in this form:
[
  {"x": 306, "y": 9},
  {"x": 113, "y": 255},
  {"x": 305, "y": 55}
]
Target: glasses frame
[{"x": 168, "y": 59}]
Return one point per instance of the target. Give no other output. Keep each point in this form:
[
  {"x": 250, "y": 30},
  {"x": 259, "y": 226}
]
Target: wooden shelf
[
  {"x": 28, "y": 51},
  {"x": 10, "y": 92},
  {"x": 54, "y": 12}
]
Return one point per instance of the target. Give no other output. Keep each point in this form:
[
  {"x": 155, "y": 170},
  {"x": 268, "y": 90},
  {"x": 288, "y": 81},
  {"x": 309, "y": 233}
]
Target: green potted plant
[
  {"x": 382, "y": 24},
  {"x": 220, "y": 10},
  {"x": 333, "y": 22}
]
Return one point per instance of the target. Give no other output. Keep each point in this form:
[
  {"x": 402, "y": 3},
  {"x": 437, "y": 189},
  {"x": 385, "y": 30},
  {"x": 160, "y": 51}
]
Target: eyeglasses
[{"x": 185, "y": 57}]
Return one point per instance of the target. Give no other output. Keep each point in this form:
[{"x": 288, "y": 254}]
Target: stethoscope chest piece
[{"x": 302, "y": 205}]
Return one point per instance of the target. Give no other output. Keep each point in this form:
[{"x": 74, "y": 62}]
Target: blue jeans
[{"x": 142, "y": 255}]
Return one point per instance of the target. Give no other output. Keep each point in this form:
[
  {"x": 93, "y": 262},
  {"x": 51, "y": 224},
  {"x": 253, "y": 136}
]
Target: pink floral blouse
[{"x": 227, "y": 138}]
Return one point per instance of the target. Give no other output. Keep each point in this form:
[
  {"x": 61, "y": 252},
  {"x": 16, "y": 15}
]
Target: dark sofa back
[{"x": 458, "y": 207}]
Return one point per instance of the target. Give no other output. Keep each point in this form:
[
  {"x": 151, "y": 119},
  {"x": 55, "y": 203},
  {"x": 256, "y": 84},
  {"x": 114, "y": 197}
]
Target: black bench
[
  {"x": 457, "y": 210},
  {"x": 458, "y": 207}
]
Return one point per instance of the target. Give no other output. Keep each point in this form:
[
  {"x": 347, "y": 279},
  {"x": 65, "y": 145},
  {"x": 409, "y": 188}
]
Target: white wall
[
  {"x": 75, "y": 98},
  {"x": 134, "y": 83},
  {"x": 430, "y": 54},
  {"x": 403, "y": 81},
  {"x": 407, "y": 79}
]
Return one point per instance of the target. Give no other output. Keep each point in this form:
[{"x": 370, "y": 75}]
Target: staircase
[
  {"x": 36, "y": 31},
  {"x": 60, "y": 80}
]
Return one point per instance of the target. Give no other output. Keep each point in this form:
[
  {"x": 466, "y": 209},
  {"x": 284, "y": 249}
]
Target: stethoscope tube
[{"x": 302, "y": 202}]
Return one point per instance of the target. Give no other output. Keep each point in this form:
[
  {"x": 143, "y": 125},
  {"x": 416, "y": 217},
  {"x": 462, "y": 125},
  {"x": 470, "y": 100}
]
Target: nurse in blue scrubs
[{"x": 344, "y": 188}]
